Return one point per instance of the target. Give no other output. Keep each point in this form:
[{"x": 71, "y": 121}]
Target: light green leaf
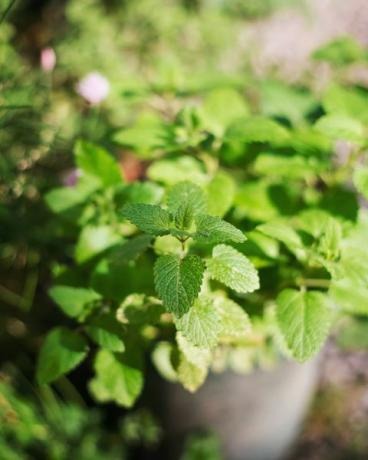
[
  {"x": 330, "y": 240},
  {"x": 220, "y": 194},
  {"x": 340, "y": 51},
  {"x": 222, "y": 107},
  {"x": 94, "y": 160},
  {"x": 234, "y": 320},
  {"x": 261, "y": 202},
  {"x": 93, "y": 240},
  {"x": 199, "y": 356},
  {"x": 143, "y": 192},
  {"x": 144, "y": 136},
  {"x": 312, "y": 221},
  {"x": 360, "y": 180},
  {"x": 140, "y": 309},
  {"x": 162, "y": 360},
  {"x": 73, "y": 300},
  {"x": 178, "y": 281},
  {"x": 119, "y": 377},
  {"x": 61, "y": 199},
  {"x": 186, "y": 194},
  {"x": 346, "y": 101},
  {"x": 350, "y": 295},
  {"x": 190, "y": 375},
  {"x": 232, "y": 268},
  {"x": 291, "y": 167},
  {"x": 61, "y": 352},
  {"x": 149, "y": 218},
  {"x": 341, "y": 127},
  {"x": 281, "y": 231},
  {"x": 172, "y": 171},
  {"x": 279, "y": 99},
  {"x": 304, "y": 320},
  {"x": 201, "y": 324},
  {"x": 258, "y": 129},
  {"x": 168, "y": 244},
  {"x": 212, "y": 229},
  {"x": 106, "y": 332}
]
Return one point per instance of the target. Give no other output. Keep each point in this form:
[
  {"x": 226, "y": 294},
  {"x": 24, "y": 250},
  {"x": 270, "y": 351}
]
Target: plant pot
[{"x": 256, "y": 417}]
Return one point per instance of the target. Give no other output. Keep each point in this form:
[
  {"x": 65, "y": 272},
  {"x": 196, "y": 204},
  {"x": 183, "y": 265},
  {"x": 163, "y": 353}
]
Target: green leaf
[
  {"x": 233, "y": 269},
  {"x": 61, "y": 352},
  {"x": 281, "y": 231},
  {"x": 220, "y": 193},
  {"x": 176, "y": 170},
  {"x": 190, "y": 375},
  {"x": 350, "y": 295},
  {"x": 258, "y": 129},
  {"x": 199, "y": 356},
  {"x": 142, "y": 192},
  {"x": 149, "y": 218},
  {"x": 119, "y": 377},
  {"x": 290, "y": 167},
  {"x": 330, "y": 240},
  {"x": 312, "y": 221},
  {"x": 178, "y": 281},
  {"x": 62, "y": 199},
  {"x": 168, "y": 244},
  {"x": 304, "y": 320},
  {"x": 201, "y": 324},
  {"x": 184, "y": 216},
  {"x": 144, "y": 136},
  {"x": 162, "y": 358},
  {"x": 234, "y": 320},
  {"x": 222, "y": 107},
  {"x": 73, "y": 301},
  {"x": 131, "y": 249},
  {"x": 341, "y": 127},
  {"x": 189, "y": 194},
  {"x": 279, "y": 99},
  {"x": 340, "y": 51},
  {"x": 360, "y": 180},
  {"x": 93, "y": 240},
  {"x": 140, "y": 309},
  {"x": 261, "y": 202},
  {"x": 106, "y": 332},
  {"x": 212, "y": 229},
  {"x": 346, "y": 101},
  {"x": 96, "y": 161}
]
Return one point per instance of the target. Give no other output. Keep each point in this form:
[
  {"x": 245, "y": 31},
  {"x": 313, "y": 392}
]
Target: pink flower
[
  {"x": 94, "y": 88},
  {"x": 48, "y": 59},
  {"x": 71, "y": 177}
]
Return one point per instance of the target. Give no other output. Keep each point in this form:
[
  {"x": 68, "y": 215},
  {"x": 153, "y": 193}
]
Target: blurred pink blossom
[
  {"x": 48, "y": 59},
  {"x": 94, "y": 88},
  {"x": 71, "y": 177}
]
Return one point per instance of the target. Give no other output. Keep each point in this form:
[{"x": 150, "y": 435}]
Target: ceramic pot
[{"x": 256, "y": 417}]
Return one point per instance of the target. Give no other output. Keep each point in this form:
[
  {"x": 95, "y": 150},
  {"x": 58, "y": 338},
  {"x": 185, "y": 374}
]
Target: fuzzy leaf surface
[
  {"x": 233, "y": 269},
  {"x": 212, "y": 229},
  {"x": 178, "y": 281},
  {"x": 304, "y": 320},
  {"x": 201, "y": 324},
  {"x": 151, "y": 219}
]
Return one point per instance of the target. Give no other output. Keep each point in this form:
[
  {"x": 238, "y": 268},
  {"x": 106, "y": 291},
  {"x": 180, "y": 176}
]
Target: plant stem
[{"x": 314, "y": 282}]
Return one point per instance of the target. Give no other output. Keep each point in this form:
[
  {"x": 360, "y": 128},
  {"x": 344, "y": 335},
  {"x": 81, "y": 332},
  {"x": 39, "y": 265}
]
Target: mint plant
[{"x": 243, "y": 244}]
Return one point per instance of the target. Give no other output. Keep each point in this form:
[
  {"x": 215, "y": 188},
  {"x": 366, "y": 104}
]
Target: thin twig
[{"x": 5, "y": 13}]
